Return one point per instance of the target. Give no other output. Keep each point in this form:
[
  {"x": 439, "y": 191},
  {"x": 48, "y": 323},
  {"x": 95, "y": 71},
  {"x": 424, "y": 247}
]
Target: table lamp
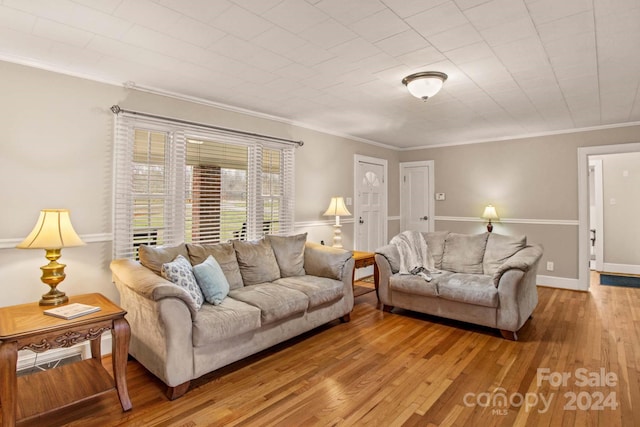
[
  {"x": 337, "y": 208},
  {"x": 52, "y": 232},
  {"x": 490, "y": 213}
]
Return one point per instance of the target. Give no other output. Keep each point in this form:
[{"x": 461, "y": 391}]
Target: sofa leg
[
  {"x": 509, "y": 335},
  {"x": 346, "y": 318},
  {"x": 387, "y": 308},
  {"x": 178, "y": 391}
]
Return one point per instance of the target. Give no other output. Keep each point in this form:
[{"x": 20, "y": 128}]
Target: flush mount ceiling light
[{"x": 425, "y": 84}]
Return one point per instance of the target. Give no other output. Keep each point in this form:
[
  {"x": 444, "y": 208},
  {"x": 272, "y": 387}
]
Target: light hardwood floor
[{"x": 401, "y": 368}]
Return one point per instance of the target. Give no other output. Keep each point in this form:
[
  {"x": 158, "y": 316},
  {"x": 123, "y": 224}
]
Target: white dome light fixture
[{"x": 425, "y": 84}]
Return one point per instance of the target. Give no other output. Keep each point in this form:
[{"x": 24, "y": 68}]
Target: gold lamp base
[{"x": 52, "y": 275}]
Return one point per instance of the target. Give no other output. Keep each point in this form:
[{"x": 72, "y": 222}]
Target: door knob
[
  {"x": 424, "y": 218},
  {"x": 361, "y": 221}
]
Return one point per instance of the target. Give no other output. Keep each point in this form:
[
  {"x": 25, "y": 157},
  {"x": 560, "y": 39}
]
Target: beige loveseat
[
  {"x": 279, "y": 287},
  {"x": 486, "y": 279}
]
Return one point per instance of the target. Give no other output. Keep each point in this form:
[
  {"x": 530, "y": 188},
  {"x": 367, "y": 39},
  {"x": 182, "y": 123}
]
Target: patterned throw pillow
[{"x": 179, "y": 272}]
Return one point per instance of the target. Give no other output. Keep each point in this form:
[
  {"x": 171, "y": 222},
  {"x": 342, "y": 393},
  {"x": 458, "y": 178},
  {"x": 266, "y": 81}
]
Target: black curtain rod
[{"x": 115, "y": 109}]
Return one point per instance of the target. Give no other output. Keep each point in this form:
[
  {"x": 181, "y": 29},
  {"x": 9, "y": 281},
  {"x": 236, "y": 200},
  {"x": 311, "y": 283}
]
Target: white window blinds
[{"x": 175, "y": 183}]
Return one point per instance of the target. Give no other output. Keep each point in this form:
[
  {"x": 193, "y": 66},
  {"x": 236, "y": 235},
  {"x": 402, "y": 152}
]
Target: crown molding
[
  {"x": 252, "y": 113},
  {"x": 34, "y": 63},
  {"x": 524, "y": 136}
]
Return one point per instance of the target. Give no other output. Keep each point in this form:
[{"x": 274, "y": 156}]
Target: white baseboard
[
  {"x": 28, "y": 359},
  {"x": 621, "y": 268},
  {"x": 559, "y": 282}
]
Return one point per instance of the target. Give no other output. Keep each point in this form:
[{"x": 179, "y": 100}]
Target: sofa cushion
[
  {"x": 435, "y": 244},
  {"x": 257, "y": 261},
  {"x": 224, "y": 254},
  {"x": 463, "y": 253},
  {"x": 229, "y": 319},
  {"x": 289, "y": 252},
  {"x": 212, "y": 281},
  {"x": 476, "y": 289},
  {"x": 325, "y": 261},
  {"x": 499, "y": 249},
  {"x": 275, "y": 302},
  {"x": 414, "y": 285},
  {"x": 319, "y": 290},
  {"x": 153, "y": 257},
  {"x": 179, "y": 272}
]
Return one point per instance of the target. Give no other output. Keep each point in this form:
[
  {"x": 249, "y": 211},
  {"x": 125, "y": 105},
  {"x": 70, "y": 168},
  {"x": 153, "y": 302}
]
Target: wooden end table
[
  {"x": 27, "y": 327},
  {"x": 364, "y": 259}
]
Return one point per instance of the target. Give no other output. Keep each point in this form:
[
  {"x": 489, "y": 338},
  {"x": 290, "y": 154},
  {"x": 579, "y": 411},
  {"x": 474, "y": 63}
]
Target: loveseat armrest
[
  {"x": 524, "y": 260},
  {"x": 327, "y": 261},
  {"x": 517, "y": 291},
  {"x": 148, "y": 284},
  {"x": 392, "y": 255}
]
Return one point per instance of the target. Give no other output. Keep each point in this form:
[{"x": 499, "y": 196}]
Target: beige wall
[
  {"x": 533, "y": 182},
  {"x": 56, "y": 151}
]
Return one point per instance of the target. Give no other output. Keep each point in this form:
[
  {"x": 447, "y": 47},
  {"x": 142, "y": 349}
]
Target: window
[{"x": 178, "y": 184}]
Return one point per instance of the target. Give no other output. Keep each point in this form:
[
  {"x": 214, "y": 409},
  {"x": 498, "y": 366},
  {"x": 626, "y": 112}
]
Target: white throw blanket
[{"x": 414, "y": 254}]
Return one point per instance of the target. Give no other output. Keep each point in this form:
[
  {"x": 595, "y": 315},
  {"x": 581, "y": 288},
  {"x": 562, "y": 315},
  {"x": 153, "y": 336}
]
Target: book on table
[{"x": 71, "y": 311}]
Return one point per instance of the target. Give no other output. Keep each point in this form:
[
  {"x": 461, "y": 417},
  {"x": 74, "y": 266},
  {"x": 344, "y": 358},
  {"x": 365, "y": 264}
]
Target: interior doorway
[{"x": 584, "y": 233}]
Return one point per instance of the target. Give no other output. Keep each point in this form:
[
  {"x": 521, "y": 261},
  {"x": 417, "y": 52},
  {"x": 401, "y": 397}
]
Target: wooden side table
[
  {"x": 27, "y": 327},
  {"x": 364, "y": 259}
]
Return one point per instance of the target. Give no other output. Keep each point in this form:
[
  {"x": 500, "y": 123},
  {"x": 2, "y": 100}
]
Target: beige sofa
[
  {"x": 486, "y": 279},
  {"x": 280, "y": 287}
]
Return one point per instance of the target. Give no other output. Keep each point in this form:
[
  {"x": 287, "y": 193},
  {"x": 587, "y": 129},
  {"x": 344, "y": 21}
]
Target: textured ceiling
[{"x": 516, "y": 67}]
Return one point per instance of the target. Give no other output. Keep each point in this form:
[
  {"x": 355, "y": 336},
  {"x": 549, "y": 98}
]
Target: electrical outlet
[{"x": 549, "y": 265}]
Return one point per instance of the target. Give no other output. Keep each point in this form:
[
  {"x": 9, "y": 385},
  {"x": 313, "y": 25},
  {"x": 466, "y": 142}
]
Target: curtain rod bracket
[{"x": 115, "y": 109}]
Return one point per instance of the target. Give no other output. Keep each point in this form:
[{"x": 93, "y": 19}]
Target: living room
[{"x": 58, "y": 149}]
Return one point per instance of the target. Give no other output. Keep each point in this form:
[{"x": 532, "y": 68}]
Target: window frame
[{"x": 176, "y": 164}]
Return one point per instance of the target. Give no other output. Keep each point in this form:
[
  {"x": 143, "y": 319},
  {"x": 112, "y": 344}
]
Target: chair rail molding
[
  {"x": 573, "y": 222},
  {"x": 87, "y": 238}
]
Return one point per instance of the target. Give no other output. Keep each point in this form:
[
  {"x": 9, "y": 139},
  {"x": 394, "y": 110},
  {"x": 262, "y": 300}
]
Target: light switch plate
[{"x": 440, "y": 196}]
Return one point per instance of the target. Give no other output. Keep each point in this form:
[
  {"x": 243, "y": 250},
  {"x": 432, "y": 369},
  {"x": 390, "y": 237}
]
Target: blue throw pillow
[{"x": 212, "y": 281}]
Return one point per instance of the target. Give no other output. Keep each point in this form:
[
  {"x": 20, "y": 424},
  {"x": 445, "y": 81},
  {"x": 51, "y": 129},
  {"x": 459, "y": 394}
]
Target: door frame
[
  {"x": 599, "y": 205},
  {"x": 584, "y": 242},
  {"x": 357, "y": 159},
  {"x": 430, "y": 192}
]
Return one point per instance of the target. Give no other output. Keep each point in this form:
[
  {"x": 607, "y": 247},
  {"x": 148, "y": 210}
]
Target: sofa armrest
[
  {"x": 148, "y": 284},
  {"x": 327, "y": 261},
  {"x": 524, "y": 260},
  {"x": 160, "y": 314}
]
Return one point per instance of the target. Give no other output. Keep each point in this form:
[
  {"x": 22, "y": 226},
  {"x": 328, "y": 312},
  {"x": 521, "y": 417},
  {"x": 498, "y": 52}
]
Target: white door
[
  {"x": 371, "y": 204},
  {"x": 416, "y": 207}
]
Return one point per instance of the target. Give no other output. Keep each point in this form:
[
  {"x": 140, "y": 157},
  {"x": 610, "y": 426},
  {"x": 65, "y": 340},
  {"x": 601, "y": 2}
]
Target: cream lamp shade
[
  {"x": 337, "y": 208},
  {"x": 490, "y": 214},
  {"x": 52, "y": 232}
]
